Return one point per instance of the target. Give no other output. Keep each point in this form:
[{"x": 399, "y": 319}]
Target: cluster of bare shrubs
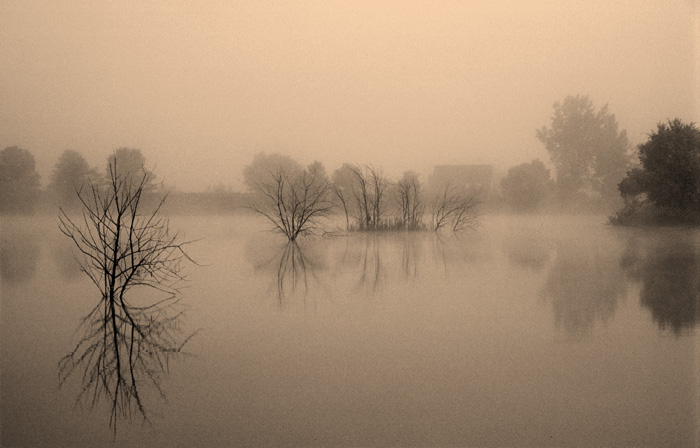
[{"x": 294, "y": 198}]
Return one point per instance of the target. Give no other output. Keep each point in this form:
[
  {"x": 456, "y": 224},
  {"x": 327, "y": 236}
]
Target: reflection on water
[
  {"x": 669, "y": 272},
  {"x": 123, "y": 355},
  {"x": 366, "y": 261},
  {"x": 528, "y": 249},
  {"x": 412, "y": 340},
  {"x": 452, "y": 252},
  {"x": 19, "y": 253},
  {"x": 583, "y": 287},
  {"x": 362, "y": 264},
  {"x": 290, "y": 266},
  {"x": 65, "y": 261}
]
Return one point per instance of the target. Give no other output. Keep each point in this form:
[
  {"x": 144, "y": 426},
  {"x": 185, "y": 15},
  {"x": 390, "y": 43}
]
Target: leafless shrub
[
  {"x": 409, "y": 202},
  {"x": 127, "y": 338},
  {"x": 368, "y": 190},
  {"x": 454, "y": 208},
  {"x": 294, "y": 202}
]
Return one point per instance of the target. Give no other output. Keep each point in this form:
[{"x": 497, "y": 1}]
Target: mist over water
[{"x": 528, "y": 330}]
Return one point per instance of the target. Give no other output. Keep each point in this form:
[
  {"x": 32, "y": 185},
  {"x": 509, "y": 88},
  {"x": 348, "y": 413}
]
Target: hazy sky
[{"x": 200, "y": 87}]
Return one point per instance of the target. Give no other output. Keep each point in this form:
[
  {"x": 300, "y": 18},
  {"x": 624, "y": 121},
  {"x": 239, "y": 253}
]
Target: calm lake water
[{"x": 529, "y": 331}]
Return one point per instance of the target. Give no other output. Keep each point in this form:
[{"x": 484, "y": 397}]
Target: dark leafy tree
[
  {"x": 136, "y": 264},
  {"x": 586, "y": 147},
  {"x": 70, "y": 174},
  {"x": 670, "y": 168},
  {"x": 526, "y": 185},
  {"x": 19, "y": 181}
]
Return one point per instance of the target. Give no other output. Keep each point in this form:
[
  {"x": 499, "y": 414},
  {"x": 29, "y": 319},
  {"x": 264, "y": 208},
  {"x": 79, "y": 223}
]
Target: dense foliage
[{"x": 666, "y": 186}]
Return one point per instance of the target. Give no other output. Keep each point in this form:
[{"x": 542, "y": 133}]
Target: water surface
[{"x": 529, "y": 331}]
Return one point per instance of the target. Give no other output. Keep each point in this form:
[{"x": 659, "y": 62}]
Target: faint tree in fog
[
  {"x": 19, "y": 254},
  {"x": 668, "y": 182},
  {"x": 454, "y": 208},
  {"x": 19, "y": 181},
  {"x": 409, "y": 201},
  {"x": 291, "y": 198},
  {"x": 526, "y": 185},
  {"x": 125, "y": 249},
  {"x": 588, "y": 151},
  {"x": 264, "y": 164},
  {"x": 69, "y": 175},
  {"x": 130, "y": 162}
]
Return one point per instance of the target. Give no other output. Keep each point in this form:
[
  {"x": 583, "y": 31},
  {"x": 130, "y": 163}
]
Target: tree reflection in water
[
  {"x": 116, "y": 362},
  {"x": 669, "y": 272},
  {"x": 528, "y": 249},
  {"x": 583, "y": 286},
  {"x": 19, "y": 253},
  {"x": 291, "y": 266}
]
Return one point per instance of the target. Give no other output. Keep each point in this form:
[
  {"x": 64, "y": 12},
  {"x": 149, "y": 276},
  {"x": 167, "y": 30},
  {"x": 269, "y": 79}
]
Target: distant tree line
[
  {"x": 19, "y": 181},
  {"x": 591, "y": 166},
  {"x": 589, "y": 156},
  {"x": 21, "y": 193}
]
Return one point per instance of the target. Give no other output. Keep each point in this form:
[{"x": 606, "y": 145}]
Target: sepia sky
[{"x": 200, "y": 87}]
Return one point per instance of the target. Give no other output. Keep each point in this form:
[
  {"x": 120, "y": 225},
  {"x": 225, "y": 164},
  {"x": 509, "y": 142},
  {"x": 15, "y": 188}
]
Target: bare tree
[
  {"x": 368, "y": 188},
  {"x": 128, "y": 337},
  {"x": 409, "y": 201},
  {"x": 343, "y": 184},
  {"x": 294, "y": 202},
  {"x": 454, "y": 208}
]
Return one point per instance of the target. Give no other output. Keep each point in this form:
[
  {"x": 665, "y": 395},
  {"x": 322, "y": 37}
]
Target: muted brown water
[{"x": 529, "y": 331}]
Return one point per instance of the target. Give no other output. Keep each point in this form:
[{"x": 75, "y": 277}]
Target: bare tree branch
[
  {"x": 294, "y": 202},
  {"x": 122, "y": 248}
]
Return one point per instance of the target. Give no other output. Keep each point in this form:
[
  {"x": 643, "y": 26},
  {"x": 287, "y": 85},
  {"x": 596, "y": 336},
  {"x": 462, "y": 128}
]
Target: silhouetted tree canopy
[
  {"x": 670, "y": 167},
  {"x": 19, "y": 181},
  {"x": 588, "y": 151},
  {"x": 69, "y": 175},
  {"x": 526, "y": 185}
]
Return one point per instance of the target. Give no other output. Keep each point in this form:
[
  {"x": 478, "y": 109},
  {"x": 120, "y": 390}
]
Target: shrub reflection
[
  {"x": 669, "y": 272},
  {"x": 583, "y": 286},
  {"x": 117, "y": 362},
  {"x": 19, "y": 254},
  {"x": 290, "y": 267}
]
